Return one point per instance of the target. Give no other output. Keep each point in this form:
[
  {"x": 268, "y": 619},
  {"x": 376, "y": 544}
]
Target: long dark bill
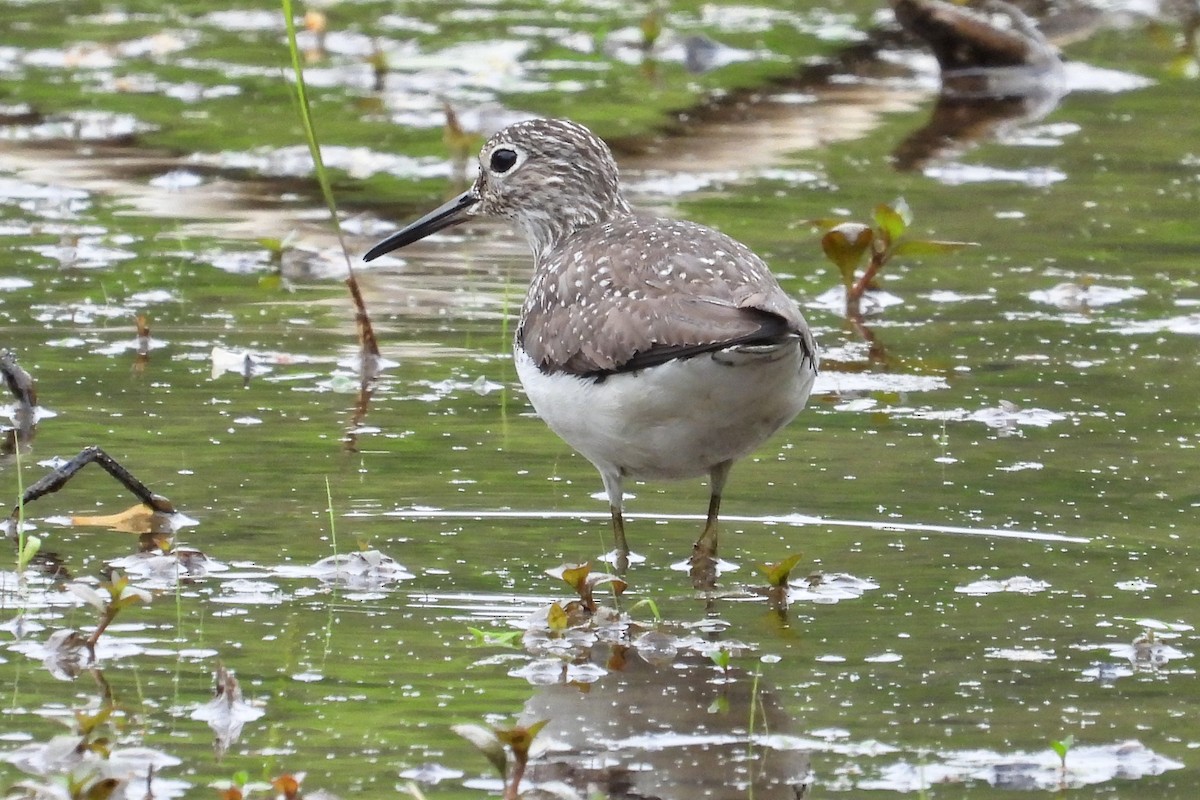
[{"x": 445, "y": 215}]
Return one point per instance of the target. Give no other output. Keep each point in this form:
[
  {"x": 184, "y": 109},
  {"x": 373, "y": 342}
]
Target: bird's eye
[{"x": 503, "y": 159}]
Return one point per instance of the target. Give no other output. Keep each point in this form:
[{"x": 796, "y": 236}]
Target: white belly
[{"x": 676, "y": 420}]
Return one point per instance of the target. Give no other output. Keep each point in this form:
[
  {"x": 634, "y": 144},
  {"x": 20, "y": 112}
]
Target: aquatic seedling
[
  {"x": 118, "y": 595},
  {"x": 846, "y": 243},
  {"x": 500, "y": 745},
  {"x": 581, "y": 578},
  {"x": 721, "y": 658},
  {"x": 1062, "y": 747},
  {"x": 648, "y": 603},
  {"x": 777, "y": 574},
  {"x": 380, "y": 66}
]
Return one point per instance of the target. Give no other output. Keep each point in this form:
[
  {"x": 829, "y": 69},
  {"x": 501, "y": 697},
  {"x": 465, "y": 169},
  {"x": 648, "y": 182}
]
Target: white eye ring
[{"x": 503, "y": 159}]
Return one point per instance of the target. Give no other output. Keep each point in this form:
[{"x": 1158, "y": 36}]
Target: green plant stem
[
  {"x": 20, "y": 517},
  {"x": 366, "y": 333},
  {"x": 332, "y": 520},
  {"x": 310, "y": 131}
]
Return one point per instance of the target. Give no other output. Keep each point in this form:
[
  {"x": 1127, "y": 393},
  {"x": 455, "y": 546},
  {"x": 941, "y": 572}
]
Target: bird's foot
[{"x": 703, "y": 564}]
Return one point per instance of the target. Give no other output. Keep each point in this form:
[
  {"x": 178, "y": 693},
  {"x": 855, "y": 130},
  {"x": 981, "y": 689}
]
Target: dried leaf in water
[
  {"x": 287, "y": 785},
  {"x": 139, "y": 519},
  {"x": 576, "y": 576}
]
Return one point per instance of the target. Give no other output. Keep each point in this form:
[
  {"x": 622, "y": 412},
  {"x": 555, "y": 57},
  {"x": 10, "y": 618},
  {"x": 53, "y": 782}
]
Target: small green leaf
[
  {"x": 32, "y": 545},
  {"x": 777, "y": 574},
  {"x": 102, "y": 789},
  {"x": 646, "y": 601},
  {"x": 520, "y": 738},
  {"x": 928, "y": 247},
  {"x": 825, "y": 223},
  {"x": 503, "y": 638},
  {"x": 892, "y": 221},
  {"x": 721, "y": 658},
  {"x": 1063, "y": 747},
  {"x": 845, "y": 245},
  {"x": 87, "y": 723},
  {"x": 557, "y": 618}
]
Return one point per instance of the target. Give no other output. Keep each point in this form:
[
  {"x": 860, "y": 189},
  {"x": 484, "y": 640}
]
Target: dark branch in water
[
  {"x": 23, "y": 388},
  {"x": 19, "y": 383},
  {"x": 58, "y": 478}
]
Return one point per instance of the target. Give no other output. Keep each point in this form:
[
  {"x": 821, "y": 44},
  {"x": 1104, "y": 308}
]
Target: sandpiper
[{"x": 657, "y": 348}]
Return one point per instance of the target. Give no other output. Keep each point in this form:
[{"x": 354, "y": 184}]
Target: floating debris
[
  {"x": 227, "y": 712},
  {"x": 1018, "y": 585}
]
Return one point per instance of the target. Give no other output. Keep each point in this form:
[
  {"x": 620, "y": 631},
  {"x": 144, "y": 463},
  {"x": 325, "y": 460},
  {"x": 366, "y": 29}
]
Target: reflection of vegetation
[{"x": 92, "y": 762}]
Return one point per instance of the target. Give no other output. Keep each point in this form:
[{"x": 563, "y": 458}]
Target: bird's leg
[
  {"x": 618, "y": 525},
  {"x": 616, "y": 500},
  {"x": 706, "y": 546}
]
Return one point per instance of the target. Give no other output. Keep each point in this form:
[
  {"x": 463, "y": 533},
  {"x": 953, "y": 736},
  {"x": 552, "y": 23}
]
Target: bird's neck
[{"x": 546, "y": 229}]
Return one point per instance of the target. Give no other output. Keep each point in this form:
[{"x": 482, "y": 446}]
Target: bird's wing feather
[{"x": 636, "y": 292}]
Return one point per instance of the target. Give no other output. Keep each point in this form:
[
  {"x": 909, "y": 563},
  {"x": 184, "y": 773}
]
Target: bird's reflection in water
[
  {"x": 681, "y": 729},
  {"x": 960, "y": 121},
  {"x": 998, "y": 73}
]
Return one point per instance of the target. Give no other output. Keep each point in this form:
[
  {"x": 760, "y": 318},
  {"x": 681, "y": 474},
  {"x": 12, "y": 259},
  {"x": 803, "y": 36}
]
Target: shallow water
[{"x": 995, "y": 477}]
